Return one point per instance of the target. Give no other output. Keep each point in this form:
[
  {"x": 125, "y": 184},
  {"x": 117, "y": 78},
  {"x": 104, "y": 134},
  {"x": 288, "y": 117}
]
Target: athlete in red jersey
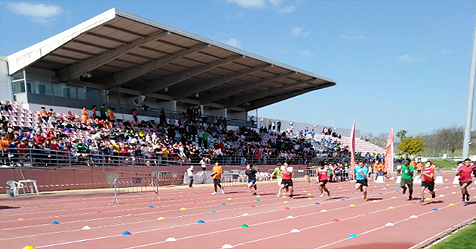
[
  {"x": 322, "y": 179},
  {"x": 428, "y": 180},
  {"x": 464, "y": 173},
  {"x": 287, "y": 179}
]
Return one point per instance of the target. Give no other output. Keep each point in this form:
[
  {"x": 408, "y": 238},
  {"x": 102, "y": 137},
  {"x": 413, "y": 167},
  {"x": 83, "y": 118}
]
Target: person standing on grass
[
  {"x": 361, "y": 174},
  {"x": 464, "y": 173},
  {"x": 322, "y": 179},
  {"x": 287, "y": 181},
  {"x": 251, "y": 173},
  {"x": 190, "y": 176},
  {"x": 428, "y": 181},
  {"x": 407, "y": 178},
  {"x": 217, "y": 171}
]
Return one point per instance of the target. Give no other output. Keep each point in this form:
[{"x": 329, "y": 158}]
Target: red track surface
[{"x": 269, "y": 225}]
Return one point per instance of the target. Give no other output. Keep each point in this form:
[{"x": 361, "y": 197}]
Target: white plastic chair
[{"x": 15, "y": 187}]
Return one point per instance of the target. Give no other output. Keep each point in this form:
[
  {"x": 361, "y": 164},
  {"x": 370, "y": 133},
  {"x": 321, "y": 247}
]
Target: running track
[{"x": 269, "y": 222}]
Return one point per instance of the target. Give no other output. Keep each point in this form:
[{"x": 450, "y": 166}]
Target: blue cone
[
  {"x": 380, "y": 193},
  {"x": 397, "y": 190},
  {"x": 352, "y": 236},
  {"x": 434, "y": 209},
  {"x": 317, "y": 203},
  {"x": 54, "y": 223},
  {"x": 223, "y": 204},
  {"x": 200, "y": 221},
  {"x": 126, "y": 233},
  {"x": 342, "y": 199},
  {"x": 213, "y": 211},
  {"x": 151, "y": 206}
]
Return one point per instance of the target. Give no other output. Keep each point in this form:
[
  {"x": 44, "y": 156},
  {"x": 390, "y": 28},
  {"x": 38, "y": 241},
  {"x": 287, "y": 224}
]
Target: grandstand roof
[{"x": 123, "y": 52}]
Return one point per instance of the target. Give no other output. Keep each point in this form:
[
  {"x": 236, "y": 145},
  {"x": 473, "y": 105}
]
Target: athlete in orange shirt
[{"x": 217, "y": 171}]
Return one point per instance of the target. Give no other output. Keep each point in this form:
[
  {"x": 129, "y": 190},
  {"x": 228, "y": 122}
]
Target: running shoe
[
  {"x": 321, "y": 195},
  {"x": 404, "y": 190},
  {"x": 410, "y": 198},
  {"x": 433, "y": 195},
  {"x": 464, "y": 199},
  {"x": 214, "y": 193},
  {"x": 279, "y": 194},
  {"x": 422, "y": 200},
  {"x": 254, "y": 194},
  {"x": 291, "y": 196},
  {"x": 329, "y": 193},
  {"x": 467, "y": 197},
  {"x": 223, "y": 190}
]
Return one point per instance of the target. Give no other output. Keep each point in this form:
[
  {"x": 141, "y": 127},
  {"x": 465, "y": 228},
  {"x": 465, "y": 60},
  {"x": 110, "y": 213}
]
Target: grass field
[
  {"x": 463, "y": 238},
  {"x": 445, "y": 164}
]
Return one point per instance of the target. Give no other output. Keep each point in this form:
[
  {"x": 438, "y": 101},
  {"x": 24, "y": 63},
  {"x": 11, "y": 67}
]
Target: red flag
[
  {"x": 352, "y": 147},
  {"x": 389, "y": 152}
]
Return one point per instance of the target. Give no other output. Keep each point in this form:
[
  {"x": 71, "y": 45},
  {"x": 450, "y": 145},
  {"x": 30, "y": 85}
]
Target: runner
[
  {"x": 464, "y": 173},
  {"x": 407, "y": 178},
  {"x": 251, "y": 173},
  {"x": 203, "y": 163},
  {"x": 287, "y": 181},
  {"x": 217, "y": 171},
  {"x": 190, "y": 176},
  {"x": 361, "y": 174},
  {"x": 279, "y": 176},
  {"x": 428, "y": 180},
  {"x": 322, "y": 179}
]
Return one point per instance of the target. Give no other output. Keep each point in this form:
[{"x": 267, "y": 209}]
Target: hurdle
[{"x": 140, "y": 184}]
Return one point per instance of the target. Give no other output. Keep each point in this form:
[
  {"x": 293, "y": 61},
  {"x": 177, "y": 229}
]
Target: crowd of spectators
[{"x": 94, "y": 136}]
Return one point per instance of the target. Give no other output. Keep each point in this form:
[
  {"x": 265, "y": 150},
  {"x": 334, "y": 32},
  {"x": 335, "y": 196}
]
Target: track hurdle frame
[{"x": 138, "y": 184}]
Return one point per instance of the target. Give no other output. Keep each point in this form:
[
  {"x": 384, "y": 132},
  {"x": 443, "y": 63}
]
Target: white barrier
[
  {"x": 439, "y": 180},
  {"x": 380, "y": 179},
  {"x": 399, "y": 179},
  {"x": 456, "y": 180}
]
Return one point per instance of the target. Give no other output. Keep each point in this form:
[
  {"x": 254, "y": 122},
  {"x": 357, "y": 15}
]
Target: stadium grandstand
[{"x": 124, "y": 91}]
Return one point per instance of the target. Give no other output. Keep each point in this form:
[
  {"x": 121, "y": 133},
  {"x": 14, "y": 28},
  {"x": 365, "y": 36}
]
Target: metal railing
[{"x": 141, "y": 184}]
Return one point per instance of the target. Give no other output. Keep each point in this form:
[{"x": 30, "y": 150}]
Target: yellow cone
[
  {"x": 394, "y": 197},
  {"x": 182, "y": 208},
  {"x": 340, "y": 187},
  {"x": 451, "y": 204},
  {"x": 374, "y": 201},
  {"x": 161, "y": 218},
  {"x": 427, "y": 199},
  {"x": 284, "y": 196},
  {"x": 323, "y": 211},
  {"x": 391, "y": 207},
  {"x": 351, "y": 205},
  {"x": 246, "y": 214},
  {"x": 453, "y": 192},
  {"x": 28, "y": 247},
  {"x": 285, "y": 201},
  {"x": 309, "y": 194},
  {"x": 229, "y": 199},
  {"x": 304, "y": 191},
  {"x": 310, "y": 198}
]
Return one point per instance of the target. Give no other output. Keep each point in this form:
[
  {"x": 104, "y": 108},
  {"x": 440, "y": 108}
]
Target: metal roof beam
[
  {"x": 237, "y": 100},
  {"x": 158, "y": 84},
  {"x": 94, "y": 62},
  {"x": 264, "y": 102},
  {"x": 130, "y": 74},
  {"x": 200, "y": 87},
  {"x": 214, "y": 96}
]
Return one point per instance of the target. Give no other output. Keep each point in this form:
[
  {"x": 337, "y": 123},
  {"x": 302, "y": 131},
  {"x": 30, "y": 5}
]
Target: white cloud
[
  {"x": 238, "y": 15},
  {"x": 445, "y": 51},
  {"x": 289, "y": 9},
  {"x": 276, "y": 2},
  {"x": 250, "y": 3},
  {"x": 40, "y": 13},
  {"x": 306, "y": 53},
  {"x": 298, "y": 31},
  {"x": 351, "y": 37},
  {"x": 408, "y": 58},
  {"x": 233, "y": 42}
]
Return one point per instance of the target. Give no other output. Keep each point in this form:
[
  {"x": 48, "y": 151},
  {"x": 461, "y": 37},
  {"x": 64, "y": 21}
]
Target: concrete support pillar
[
  {"x": 173, "y": 106},
  {"x": 225, "y": 113},
  {"x": 201, "y": 110}
]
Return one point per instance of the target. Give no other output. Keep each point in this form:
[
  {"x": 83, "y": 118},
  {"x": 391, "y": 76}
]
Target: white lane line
[
  {"x": 193, "y": 236},
  {"x": 422, "y": 243},
  {"x": 378, "y": 228}
]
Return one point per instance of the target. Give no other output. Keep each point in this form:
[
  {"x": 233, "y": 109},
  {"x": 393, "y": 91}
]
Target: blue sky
[{"x": 401, "y": 64}]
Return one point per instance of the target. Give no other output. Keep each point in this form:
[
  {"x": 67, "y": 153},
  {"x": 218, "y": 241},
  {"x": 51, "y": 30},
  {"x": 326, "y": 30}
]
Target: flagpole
[{"x": 469, "y": 107}]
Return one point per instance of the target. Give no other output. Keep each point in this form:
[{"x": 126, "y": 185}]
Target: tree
[
  {"x": 402, "y": 134},
  {"x": 450, "y": 138},
  {"x": 412, "y": 145}
]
